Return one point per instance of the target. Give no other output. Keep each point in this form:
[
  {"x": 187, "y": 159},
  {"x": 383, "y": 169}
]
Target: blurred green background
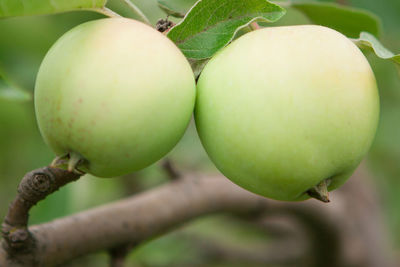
[{"x": 23, "y": 44}]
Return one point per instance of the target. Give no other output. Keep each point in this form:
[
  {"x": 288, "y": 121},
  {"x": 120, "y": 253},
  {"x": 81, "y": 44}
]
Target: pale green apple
[
  {"x": 284, "y": 109},
  {"x": 116, "y": 93}
]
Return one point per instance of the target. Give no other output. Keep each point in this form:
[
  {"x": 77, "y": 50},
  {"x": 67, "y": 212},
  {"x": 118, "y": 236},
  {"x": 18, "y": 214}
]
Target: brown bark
[{"x": 330, "y": 227}]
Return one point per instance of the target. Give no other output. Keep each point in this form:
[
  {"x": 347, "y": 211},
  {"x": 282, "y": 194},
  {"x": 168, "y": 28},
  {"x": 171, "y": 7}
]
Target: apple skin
[
  {"x": 117, "y": 93},
  {"x": 282, "y": 109}
]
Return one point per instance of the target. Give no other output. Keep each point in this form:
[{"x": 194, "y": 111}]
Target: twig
[
  {"x": 170, "y": 169},
  {"x": 34, "y": 187}
]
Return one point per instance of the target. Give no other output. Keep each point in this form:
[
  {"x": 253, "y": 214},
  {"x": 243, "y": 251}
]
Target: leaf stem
[
  {"x": 137, "y": 11},
  {"x": 106, "y": 12}
]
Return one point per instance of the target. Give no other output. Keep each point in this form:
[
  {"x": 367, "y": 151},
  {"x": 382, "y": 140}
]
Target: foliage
[
  {"x": 10, "y": 8},
  {"x": 368, "y": 40},
  {"x": 347, "y": 20},
  {"x": 211, "y": 25}
]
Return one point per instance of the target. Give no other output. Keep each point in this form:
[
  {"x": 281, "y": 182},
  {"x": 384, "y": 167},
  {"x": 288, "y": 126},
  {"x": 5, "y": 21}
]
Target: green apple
[
  {"x": 287, "y": 111},
  {"x": 114, "y": 94}
]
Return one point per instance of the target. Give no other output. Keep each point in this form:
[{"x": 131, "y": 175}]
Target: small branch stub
[
  {"x": 170, "y": 169},
  {"x": 118, "y": 255}
]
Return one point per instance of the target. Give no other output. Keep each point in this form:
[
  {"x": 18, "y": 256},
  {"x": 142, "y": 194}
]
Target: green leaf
[
  {"x": 12, "y": 8},
  {"x": 14, "y": 94},
  {"x": 347, "y": 20},
  {"x": 211, "y": 24},
  {"x": 368, "y": 40},
  {"x": 9, "y": 92},
  {"x": 198, "y": 66},
  {"x": 176, "y": 8}
]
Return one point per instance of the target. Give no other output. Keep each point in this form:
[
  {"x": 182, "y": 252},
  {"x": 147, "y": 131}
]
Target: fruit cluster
[{"x": 285, "y": 112}]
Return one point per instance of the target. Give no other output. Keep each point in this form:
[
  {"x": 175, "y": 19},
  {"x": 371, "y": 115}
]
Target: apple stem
[
  {"x": 320, "y": 191},
  {"x": 59, "y": 161},
  {"x": 74, "y": 161}
]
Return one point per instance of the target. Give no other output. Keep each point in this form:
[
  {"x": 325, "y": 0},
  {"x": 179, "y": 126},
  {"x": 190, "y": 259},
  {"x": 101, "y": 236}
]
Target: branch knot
[{"x": 36, "y": 184}]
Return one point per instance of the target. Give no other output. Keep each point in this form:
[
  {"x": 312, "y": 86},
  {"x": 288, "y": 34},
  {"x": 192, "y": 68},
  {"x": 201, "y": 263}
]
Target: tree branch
[
  {"x": 138, "y": 218},
  {"x": 149, "y": 214}
]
